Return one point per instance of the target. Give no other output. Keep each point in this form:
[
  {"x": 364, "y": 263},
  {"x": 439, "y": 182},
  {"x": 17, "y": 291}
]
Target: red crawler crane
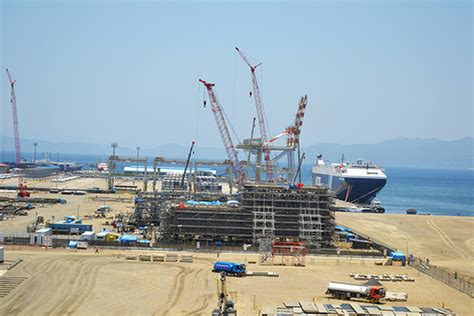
[
  {"x": 224, "y": 131},
  {"x": 21, "y": 185},
  {"x": 260, "y": 114}
]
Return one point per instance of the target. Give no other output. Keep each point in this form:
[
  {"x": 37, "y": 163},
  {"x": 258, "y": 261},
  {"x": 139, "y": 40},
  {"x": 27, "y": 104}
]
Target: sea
[{"x": 429, "y": 191}]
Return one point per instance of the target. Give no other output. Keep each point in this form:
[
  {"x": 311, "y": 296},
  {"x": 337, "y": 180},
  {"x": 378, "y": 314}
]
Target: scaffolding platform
[{"x": 265, "y": 213}]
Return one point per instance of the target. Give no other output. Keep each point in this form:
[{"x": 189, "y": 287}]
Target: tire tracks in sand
[
  {"x": 176, "y": 292},
  {"x": 35, "y": 285},
  {"x": 205, "y": 299},
  {"x": 59, "y": 286},
  {"x": 81, "y": 289},
  {"x": 448, "y": 241}
]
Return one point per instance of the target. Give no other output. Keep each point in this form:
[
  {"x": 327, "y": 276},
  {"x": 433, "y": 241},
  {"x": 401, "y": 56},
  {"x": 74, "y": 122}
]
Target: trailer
[{"x": 344, "y": 291}]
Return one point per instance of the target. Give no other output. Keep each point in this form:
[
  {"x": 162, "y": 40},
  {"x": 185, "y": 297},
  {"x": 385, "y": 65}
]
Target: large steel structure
[
  {"x": 257, "y": 148},
  {"x": 162, "y": 160},
  {"x": 112, "y": 166},
  {"x": 266, "y": 211}
]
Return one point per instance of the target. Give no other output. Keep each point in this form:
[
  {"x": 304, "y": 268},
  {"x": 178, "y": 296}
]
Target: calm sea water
[
  {"x": 440, "y": 192},
  {"x": 435, "y": 191}
]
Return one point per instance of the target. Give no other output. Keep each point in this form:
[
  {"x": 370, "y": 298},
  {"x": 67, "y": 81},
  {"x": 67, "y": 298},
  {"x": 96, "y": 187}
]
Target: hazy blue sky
[{"x": 102, "y": 71}]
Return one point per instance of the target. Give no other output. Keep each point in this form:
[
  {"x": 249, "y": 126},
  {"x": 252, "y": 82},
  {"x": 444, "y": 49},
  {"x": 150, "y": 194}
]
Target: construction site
[
  {"x": 135, "y": 222},
  {"x": 262, "y": 212}
]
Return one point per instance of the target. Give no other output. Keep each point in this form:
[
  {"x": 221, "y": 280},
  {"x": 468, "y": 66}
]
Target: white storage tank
[{"x": 343, "y": 287}]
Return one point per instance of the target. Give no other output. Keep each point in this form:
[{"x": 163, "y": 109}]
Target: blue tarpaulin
[
  {"x": 128, "y": 238},
  {"x": 73, "y": 244},
  {"x": 343, "y": 229},
  {"x": 192, "y": 202}
]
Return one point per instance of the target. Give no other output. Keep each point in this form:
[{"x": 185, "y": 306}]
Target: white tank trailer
[{"x": 347, "y": 291}]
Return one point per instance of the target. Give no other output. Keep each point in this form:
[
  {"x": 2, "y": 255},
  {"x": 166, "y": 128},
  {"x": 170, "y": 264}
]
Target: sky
[{"x": 127, "y": 71}]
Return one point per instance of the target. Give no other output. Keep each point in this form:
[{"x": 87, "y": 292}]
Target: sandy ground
[
  {"x": 446, "y": 240},
  {"x": 83, "y": 283},
  {"x": 75, "y": 206},
  {"x": 63, "y": 282}
]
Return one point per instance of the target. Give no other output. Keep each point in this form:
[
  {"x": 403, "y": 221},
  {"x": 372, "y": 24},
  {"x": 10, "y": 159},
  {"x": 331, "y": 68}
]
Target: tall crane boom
[
  {"x": 295, "y": 130},
  {"x": 187, "y": 164},
  {"x": 260, "y": 113},
  {"x": 223, "y": 131},
  {"x": 22, "y": 187},
  {"x": 15, "y": 119}
]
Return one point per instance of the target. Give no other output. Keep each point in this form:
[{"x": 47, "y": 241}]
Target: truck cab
[{"x": 377, "y": 293}]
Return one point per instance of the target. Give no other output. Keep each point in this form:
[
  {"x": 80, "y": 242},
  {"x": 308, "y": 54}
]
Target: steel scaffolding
[{"x": 266, "y": 213}]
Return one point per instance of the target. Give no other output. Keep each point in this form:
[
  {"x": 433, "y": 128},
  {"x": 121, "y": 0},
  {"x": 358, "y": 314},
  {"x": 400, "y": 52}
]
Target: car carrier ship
[{"x": 351, "y": 182}]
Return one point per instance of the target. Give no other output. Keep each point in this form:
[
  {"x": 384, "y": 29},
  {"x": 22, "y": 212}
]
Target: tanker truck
[
  {"x": 344, "y": 291},
  {"x": 230, "y": 268}
]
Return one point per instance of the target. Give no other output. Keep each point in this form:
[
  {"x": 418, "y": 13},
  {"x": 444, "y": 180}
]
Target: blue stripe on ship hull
[{"x": 362, "y": 190}]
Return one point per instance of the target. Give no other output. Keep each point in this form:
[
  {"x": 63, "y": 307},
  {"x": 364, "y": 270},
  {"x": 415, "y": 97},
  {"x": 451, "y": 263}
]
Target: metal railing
[
  {"x": 59, "y": 241},
  {"x": 452, "y": 278}
]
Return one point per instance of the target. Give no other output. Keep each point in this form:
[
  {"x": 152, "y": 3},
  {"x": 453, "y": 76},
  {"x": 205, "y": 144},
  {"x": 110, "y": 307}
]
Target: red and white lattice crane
[
  {"x": 260, "y": 114},
  {"x": 224, "y": 131},
  {"x": 21, "y": 185},
  {"x": 294, "y": 130}
]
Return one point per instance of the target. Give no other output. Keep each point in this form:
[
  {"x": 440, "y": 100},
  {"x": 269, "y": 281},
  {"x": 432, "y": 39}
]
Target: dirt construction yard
[
  {"x": 447, "y": 241},
  {"x": 59, "y": 281}
]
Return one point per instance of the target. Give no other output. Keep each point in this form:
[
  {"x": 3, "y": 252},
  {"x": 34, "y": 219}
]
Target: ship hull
[{"x": 351, "y": 189}]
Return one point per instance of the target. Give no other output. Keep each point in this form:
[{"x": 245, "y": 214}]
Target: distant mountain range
[{"x": 403, "y": 152}]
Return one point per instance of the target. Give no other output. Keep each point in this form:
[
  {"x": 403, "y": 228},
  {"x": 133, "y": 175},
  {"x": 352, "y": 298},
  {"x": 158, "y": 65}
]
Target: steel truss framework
[{"x": 266, "y": 212}]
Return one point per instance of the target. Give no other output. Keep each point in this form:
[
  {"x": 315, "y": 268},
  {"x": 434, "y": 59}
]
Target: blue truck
[{"x": 230, "y": 268}]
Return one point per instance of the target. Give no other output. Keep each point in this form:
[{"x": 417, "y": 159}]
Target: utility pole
[
  {"x": 138, "y": 156},
  {"x": 113, "y": 145},
  {"x": 35, "y": 144}
]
